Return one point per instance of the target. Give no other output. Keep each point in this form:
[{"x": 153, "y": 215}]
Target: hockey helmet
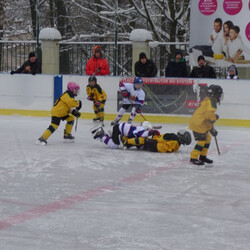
[
  {"x": 184, "y": 137},
  {"x": 73, "y": 87},
  {"x": 92, "y": 79},
  {"x": 138, "y": 82},
  {"x": 147, "y": 125},
  {"x": 216, "y": 92}
]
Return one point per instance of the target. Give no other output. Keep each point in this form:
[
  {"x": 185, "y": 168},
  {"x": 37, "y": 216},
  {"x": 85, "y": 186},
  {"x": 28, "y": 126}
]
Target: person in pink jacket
[{"x": 97, "y": 65}]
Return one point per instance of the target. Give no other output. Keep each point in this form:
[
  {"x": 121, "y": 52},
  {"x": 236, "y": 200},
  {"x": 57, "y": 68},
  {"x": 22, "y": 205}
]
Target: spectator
[
  {"x": 177, "y": 67},
  {"x": 232, "y": 72},
  {"x": 216, "y": 38},
  {"x": 31, "y": 66},
  {"x": 226, "y": 29},
  {"x": 97, "y": 65},
  {"x": 203, "y": 70},
  {"x": 234, "y": 45},
  {"x": 145, "y": 67}
]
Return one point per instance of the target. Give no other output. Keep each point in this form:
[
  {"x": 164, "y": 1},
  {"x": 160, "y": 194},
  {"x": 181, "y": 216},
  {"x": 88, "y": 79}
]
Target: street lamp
[
  {"x": 115, "y": 45},
  {"x": 37, "y": 29}
]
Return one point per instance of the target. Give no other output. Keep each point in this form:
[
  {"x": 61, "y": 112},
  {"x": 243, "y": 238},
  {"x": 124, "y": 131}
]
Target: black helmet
[
  {"x": 92, "y": 78},
  {"x": 216, "y": 92},
  {"x": 184, "y": 137}
]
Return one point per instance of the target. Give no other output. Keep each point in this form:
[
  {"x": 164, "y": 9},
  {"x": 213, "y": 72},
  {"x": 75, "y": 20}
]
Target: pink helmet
[{"x": 73, "y": 87}]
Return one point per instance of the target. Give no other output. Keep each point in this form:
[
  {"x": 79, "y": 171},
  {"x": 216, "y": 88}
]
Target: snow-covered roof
[
  {"x": 50, "y": 34},
  {"x": 140, "y": 35}
]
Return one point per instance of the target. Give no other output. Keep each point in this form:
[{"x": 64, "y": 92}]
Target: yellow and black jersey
[
  {"x": 64, "y": 104},
  {"x": 96, "y": 93},
  {"x": 167, "y": 142},
  {"x": 204, "y": 116}
]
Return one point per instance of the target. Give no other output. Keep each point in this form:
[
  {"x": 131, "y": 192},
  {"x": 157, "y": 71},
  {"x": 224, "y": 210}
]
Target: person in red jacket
[{"x": 97, "y": 65}]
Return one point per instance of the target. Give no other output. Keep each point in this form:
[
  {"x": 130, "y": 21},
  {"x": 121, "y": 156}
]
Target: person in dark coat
[
  {"x": 145, "y": 67},
  {"x": 31, "y": 66},
  {"x": 203, "y": 70},
  {"x": 177, "y": 67}
]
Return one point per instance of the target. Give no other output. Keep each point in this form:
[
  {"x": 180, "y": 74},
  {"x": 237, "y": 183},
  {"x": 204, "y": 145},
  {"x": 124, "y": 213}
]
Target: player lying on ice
[
  {"x": 126, "y": 130},
  {"x": 168, "y": 142},
  {"x": 131, "y": 135}
]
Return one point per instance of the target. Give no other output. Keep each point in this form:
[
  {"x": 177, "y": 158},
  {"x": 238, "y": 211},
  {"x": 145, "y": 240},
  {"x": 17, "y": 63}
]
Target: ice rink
[{"x": 83, "y": 195}]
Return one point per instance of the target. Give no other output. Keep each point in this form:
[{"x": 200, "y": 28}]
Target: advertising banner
[
  {"x": 168, "y": 96},
  {"x": 220, "y": 31}
]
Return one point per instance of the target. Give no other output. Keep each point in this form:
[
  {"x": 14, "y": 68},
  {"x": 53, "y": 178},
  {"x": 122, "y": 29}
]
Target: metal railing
[
  {"x": 74, "y": 56},
  {"x": 14, "y": 53}
]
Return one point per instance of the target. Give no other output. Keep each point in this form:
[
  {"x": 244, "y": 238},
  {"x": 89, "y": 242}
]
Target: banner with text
[
  {"x": 220, "y": 31},
  {"x": 168, "y": 96}
]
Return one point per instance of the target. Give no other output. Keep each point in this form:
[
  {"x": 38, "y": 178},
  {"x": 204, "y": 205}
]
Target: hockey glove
[
  {"x": 153, "y": 132},
  {"x": 90, "y": 98},
  {"x": 138, "y": 109},
  {"x": 76, "y": 113},
  {"x": 97, "y": 104},
  {"x": 213, "y": 132},
  {"x": 124, "y": 93},
  {"x": 132, "y": 98},
  {"x": 79, "y": 106},
  {"x": 217, "y": 117}
]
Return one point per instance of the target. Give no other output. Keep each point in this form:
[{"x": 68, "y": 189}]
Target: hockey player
[
  {"x": 65, "y": 108},
  {"x": 133, "y": 95},
  {"x": 98, "y": 96},
  {"x": 124, "y": 129},
  {"x": 202, "y": 124},
  {"x": 165, "y": 143}
]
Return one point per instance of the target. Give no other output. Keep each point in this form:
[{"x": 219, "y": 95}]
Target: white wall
[{"x": 28, "y": 92}]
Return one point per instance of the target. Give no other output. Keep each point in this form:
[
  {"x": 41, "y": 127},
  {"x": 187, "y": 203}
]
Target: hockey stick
[
  {"x": 76, "y": 124},
  {"x": 154, "y": 127},
  {"x": 217, "y": 146}
]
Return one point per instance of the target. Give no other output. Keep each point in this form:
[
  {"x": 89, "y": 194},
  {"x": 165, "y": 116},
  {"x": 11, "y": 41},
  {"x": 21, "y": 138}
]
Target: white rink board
[{"x": 28, "y": 92}]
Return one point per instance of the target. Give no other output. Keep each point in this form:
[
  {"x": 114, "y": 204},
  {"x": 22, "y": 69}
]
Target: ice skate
[
  {"x": 94, "y": 129},
  {"x": 99, "y": 133},
  {"x": 114, "y": 122},
  {"x": 205, "y": 159},
  {"x": 68, "y": 137},
  {"x": 196, "y": 162},
  {"x": 41, "y": 141},
  {"x": 129, "y": 121},
  {"x": 96, "y": 120}
]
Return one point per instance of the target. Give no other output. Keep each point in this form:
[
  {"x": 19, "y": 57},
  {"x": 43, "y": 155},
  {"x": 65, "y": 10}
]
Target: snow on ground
[{"x": 84, "y": 195}]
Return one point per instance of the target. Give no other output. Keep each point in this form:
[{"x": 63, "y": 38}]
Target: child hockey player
[
  {"x": 134, "y": 96},
  {"x": 98, "y": 96},
  {"x": 202, "y": 124},
  {"x": 124, "y": 129},
  {"x": 65, "y": 108},
  {"x": 165, "y": 143}
]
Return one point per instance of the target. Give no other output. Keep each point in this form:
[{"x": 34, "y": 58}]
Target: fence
[
  {"x": 74, "y": 56},
  {"x": 14, "y": 53}
]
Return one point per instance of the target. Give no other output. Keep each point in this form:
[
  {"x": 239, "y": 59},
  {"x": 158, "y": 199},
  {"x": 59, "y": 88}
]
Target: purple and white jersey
[
  {"x": 131, "y": 131},
  {"x": 138, "y": 93}
]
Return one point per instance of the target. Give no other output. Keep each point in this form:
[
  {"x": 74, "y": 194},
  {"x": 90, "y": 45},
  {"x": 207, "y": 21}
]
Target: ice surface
[{"x": 84, "y": 195}]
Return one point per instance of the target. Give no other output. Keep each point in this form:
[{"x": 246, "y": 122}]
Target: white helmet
[{"x": 147, "y": 125}]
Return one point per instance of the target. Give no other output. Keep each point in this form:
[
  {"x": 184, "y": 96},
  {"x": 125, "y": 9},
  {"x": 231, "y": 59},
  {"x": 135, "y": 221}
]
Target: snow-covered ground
[{"x": 84, "y": 195}]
